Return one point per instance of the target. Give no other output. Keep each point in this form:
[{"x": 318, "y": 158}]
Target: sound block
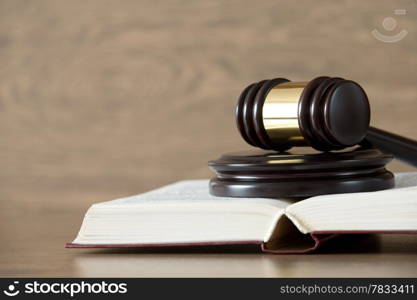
[{"x": 269, "y": 174}]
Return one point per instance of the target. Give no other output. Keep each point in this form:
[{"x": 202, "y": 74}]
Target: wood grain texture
[{"x": 104, "y": 99}]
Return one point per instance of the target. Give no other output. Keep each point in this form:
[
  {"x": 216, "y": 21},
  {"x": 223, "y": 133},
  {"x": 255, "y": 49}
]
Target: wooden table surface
[
  {"x": 105, "y": 99},
  {"x": 34, "y": 246}
]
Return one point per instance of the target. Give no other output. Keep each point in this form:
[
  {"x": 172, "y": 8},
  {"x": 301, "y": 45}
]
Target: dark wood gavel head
[{"x": 326, "y": 113}]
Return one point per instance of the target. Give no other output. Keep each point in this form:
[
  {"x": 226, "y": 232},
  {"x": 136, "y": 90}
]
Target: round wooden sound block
[{"x": 270, "y": 174}]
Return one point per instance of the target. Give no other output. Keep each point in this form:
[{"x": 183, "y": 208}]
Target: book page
[
  {"x": 388, "y": 210},
  {"x": 190, "y": 192}
]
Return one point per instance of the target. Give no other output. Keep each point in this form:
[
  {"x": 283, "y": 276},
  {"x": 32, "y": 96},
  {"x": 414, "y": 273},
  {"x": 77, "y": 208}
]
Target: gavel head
[{"x": 325, "y": 113}]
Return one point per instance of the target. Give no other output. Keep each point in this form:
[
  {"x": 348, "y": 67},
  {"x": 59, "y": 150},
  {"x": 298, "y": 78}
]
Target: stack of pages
[{"x": 184, "y": 214}]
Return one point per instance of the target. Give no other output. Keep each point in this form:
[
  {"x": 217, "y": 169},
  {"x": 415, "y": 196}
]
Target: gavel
[{"x": 326, "y": 113}]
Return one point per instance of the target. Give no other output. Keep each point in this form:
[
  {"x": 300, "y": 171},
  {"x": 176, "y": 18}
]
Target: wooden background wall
[{"x": 103, "y": 99}]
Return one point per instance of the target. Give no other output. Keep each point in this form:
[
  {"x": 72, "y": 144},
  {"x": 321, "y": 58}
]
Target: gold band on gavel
[{"x": 280, "y": 113}]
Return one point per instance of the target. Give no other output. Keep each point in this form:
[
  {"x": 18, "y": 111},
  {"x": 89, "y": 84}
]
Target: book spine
[{"x": 318, "y": 239}]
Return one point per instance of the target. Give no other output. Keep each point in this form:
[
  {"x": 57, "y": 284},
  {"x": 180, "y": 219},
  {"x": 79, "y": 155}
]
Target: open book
[{"x": 184, "y": 214}]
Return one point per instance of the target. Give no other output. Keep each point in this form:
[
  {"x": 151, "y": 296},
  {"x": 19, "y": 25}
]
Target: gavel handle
[{"x": 402, "y": 148}]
